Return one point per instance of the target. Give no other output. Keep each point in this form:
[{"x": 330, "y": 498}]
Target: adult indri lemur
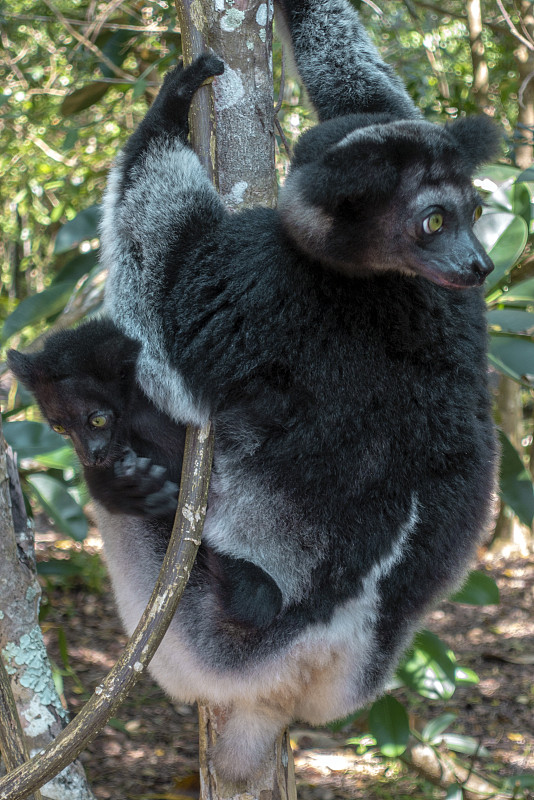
[
  {"x": 130, "y": 451},
  {"x": 338, "y": 344}
]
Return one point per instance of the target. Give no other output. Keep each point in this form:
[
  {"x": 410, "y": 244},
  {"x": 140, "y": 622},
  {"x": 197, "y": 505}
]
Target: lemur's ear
[
  {"x": 23, "y": 367},
  {"x": 358, "y": 167},
  {"x": 120, "y": 349},
  {"x": 477, "y": 138}
]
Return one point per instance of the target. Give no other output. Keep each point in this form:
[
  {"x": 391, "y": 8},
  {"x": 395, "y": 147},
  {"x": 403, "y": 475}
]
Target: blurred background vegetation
[{"x": 76, "y": 78}]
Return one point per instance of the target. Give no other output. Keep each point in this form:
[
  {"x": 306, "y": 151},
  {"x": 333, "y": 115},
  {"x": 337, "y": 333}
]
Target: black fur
[
  {"x": 338, "y": 343},
  {"x": 133, "y": 465}
]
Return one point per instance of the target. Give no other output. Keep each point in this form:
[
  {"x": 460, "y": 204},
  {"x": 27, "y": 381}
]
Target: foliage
[{"x": 74, "y": 86}]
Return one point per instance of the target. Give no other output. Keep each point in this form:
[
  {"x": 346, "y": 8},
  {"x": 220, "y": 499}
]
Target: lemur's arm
[
  {"x": 159, "y": 205},
  {"x": 341, "y": 68}
]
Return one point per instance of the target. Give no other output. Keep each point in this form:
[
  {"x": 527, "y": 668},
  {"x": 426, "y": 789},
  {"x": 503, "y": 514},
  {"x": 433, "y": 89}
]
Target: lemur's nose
[{"x": 481, "y": 266}]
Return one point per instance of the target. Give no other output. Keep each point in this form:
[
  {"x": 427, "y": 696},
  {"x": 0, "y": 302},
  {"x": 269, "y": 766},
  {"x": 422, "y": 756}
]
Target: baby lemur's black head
[
  {"x": 369, "y": 193},
  {"x": 82, "y": 381}
]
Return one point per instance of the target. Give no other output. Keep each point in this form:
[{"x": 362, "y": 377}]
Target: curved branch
[{"x": 143, "y": 643}]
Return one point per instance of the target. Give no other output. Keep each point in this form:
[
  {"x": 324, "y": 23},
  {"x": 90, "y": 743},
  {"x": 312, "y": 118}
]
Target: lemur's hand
[{"x": 144, "y": 487}]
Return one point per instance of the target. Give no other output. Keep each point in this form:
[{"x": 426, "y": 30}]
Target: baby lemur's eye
[
  {"x": 99, "y": 421},
  {"x": 59, "y": 429},
  {"x": 478, "y": 213},
  {"x": 433, "y": 223}
]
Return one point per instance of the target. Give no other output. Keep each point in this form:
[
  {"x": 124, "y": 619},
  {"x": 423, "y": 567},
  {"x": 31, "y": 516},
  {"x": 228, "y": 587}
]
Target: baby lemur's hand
[{"x": 143, "y": 487}]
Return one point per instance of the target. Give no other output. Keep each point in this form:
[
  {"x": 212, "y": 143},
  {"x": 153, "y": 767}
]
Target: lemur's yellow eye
[
  {"x": 478, "y": 213},
  {"x": 99, "y": 421},
  {"x": 58, "y": 429},
  {"x": 433, "y": 223}
]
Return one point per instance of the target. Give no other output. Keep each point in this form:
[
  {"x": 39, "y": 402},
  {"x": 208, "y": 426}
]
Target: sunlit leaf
[
  {"x": 429, "y": 668},
  {"x": 388, "y": 723},
  {"x": 521, "y": 201},
  {"x": 59, "y": 505},
  {"x": 464, "y": 744},
  {"x": 466, "y": 677},
  {"x": 518, "y": 293},
  {"x": 437, "y": 726},
  {"x": 504, "y": 237},
  {"x": 479, "y": 590},
  {"x": 64, "y": 458}
]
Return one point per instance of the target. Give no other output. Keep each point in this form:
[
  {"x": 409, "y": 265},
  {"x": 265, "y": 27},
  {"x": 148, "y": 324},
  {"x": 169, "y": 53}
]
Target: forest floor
[{"x": 149, "y": 751}]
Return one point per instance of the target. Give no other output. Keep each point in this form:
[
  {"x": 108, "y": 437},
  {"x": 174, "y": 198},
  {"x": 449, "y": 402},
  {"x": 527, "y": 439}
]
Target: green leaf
[
  {"x": 515, "y": 485},
  {"x": 30, "y": 439},
  {"x": 513, "y": 355},
  {"x": 464, "y": 744},
  {"x": 479, "y": 590},
  {"x": 466, "y": 677},
  {"x": 116, "y": 49},
  {"x": 64, "y": 458},
  {"x": 56, "y": 567},
  {"x": 437, "y": 726},
  {"x": 139, "y": 88},
  {"x": 83, "y": 226},
  {"x": 521, "y": 201},
  {"x": 454, "y": 792},
  {"x": 77, "y": 267},
  {"x": 504, "y": 237},
  {"x": 511, "y": 320},
  {"x": 497, "y": 172},
  {"x": 37, "y": 308},
  {"x": 429, "y": 668},
  {"x": 59, "y": 505},
  {"x": 57, "y": 677},
  {"x": 525, "y": 781},
  {"x": 518, "y": 293},
  {"x": 71, "y": 137},
  {"x": 526, "y": 175},
  {"x": 388, "y": 723},
  {"x": 84, "y": 97}
]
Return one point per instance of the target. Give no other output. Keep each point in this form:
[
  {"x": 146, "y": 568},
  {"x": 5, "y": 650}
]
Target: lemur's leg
[{"x": 342, "y": 69}]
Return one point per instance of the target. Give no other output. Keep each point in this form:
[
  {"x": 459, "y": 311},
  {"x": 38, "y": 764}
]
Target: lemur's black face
[
  {"x": 89, "y": 421},
  {"x": 83, "y": 408},
  {"x": 394, "y": 197},
  {"x": 431, "y": 231}
]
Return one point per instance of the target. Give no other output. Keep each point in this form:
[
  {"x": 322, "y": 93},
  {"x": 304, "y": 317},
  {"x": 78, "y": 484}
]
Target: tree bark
[
  {"x": 232, "y": 131},
  {"x": 509, "y": 394},
  {"x": 478, "y": 58},
  {"x": 525, "y": 119},
  {"x": 40, "y": 714}
]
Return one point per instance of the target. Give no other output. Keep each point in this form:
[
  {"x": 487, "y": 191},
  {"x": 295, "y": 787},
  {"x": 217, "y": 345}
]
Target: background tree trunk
[
  {"x": 478, "y": 58},
  {"x": 232, "y": 130},
  {"x": 509, "y": 405},
  {"x": 22, "y": 649}
]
